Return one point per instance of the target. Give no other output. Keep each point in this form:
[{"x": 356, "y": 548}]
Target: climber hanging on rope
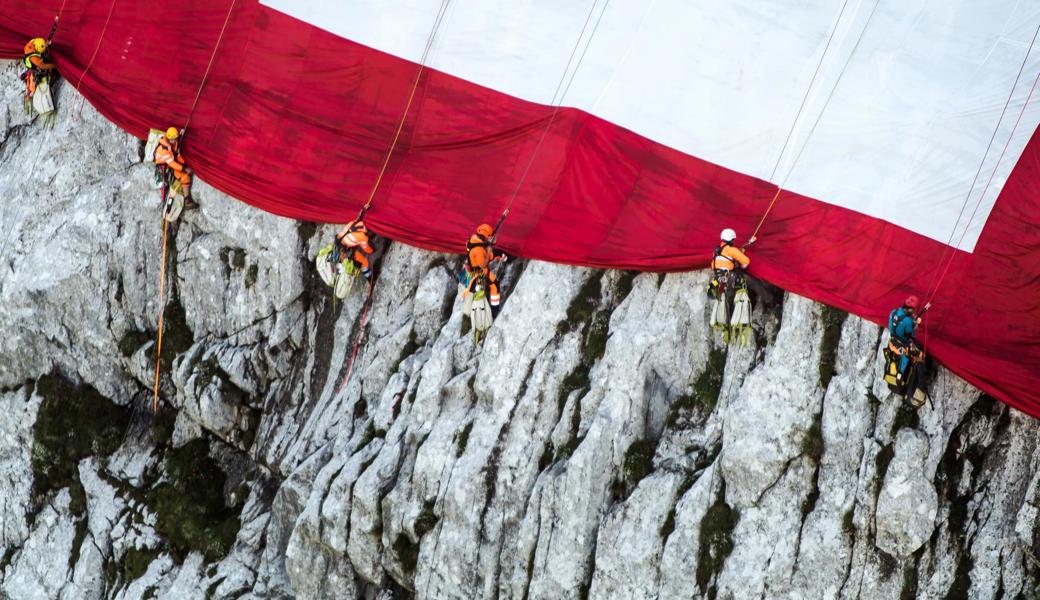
[
  {"x": 905, "y": 371},
  {"x": 37, "y": 76},
  {"x": 732, "y": 309},
  {"x": 172, "y": 173},
  {"x": 341, "y": 261},
  {"x": 479, "y": 286}
]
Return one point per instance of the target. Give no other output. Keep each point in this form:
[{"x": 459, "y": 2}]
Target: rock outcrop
[{"x": 601, "y": 443}]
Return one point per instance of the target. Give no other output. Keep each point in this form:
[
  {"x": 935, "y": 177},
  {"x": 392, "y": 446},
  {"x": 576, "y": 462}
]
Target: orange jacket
[
  {"x": 726, "y": 257},
  {"x": 33, "y": 59},
  {"x": 479, "y": 252},
  {"x": 168, "y": 153},
  {"x": 352, "y": 237}
]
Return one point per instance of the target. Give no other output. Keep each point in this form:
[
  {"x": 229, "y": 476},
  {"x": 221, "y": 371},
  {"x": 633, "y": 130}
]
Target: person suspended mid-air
[
  {"x": 482, "y": 297},
  {"x": 904, "y": 369},
  {"x": 37, "y": 75},
  {"x": 732, "y": 308},
  {"x": 341, "y": 261},
  {"x": 173, "y": 173}
]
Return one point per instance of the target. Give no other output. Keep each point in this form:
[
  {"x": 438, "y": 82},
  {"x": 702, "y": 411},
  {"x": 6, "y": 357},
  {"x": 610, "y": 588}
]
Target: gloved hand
[
  {"x": 502, "y": 257},
  {"x": 752, "y": 240}
]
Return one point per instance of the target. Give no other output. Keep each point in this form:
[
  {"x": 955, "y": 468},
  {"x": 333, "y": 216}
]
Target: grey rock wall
[{"x": 601, "y": 443}]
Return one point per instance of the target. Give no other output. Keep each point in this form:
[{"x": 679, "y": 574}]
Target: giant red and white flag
[{"x": 680, "y": 118}]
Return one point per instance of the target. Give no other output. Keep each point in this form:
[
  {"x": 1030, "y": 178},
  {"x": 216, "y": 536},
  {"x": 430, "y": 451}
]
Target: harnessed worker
[
  {"x": 902, "y": 325},
  {"x": 480, "y": 251},
  {"x": 168, "y": 158},
  {"x": 728, "y": 264},
  {"x": 37, "y": 63},
  {"x": 354, "y": 240}
]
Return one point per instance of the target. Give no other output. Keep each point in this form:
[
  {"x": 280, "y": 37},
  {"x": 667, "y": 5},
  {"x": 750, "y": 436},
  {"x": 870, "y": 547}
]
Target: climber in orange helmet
[
  {"x": 480, "y": 251},
  {"x": 37, "y": 63},
  {"x": 168, "y": 157},
  {"x": 354, "y": 240}
]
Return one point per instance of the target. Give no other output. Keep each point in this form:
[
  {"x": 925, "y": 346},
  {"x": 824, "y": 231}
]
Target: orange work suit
[
  {"x": 479, "y": 254},
  {"x": 168, "y": 154},
  {"x": 354, "y": 237}
]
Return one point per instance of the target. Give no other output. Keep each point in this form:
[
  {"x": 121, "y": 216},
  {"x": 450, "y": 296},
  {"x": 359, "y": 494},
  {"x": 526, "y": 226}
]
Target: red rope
[
  {"x": 967, "y": 225},
  {"x": 357, "y": 341}
]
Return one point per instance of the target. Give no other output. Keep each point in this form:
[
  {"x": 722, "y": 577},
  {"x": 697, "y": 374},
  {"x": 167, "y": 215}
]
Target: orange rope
[
  {"x": 101, "y": 39},
  {"x": 212, "y": 56},
  {"x": 162, "y": 309},
  {"x": 408, "y": 105},
  {"x": 766, "y": 214}
]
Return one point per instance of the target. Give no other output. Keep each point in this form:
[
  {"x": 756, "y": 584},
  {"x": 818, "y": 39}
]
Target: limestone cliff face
[{"x": 601, "y": 443}]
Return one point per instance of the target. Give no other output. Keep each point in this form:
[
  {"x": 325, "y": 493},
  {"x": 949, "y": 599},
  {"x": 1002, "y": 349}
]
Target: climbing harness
[
  {"x": 478, "y": 309},
  {"x": 438, "y": 20}
]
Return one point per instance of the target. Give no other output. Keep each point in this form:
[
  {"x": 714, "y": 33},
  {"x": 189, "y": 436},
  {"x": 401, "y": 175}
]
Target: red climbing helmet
[{"x": 912, "y": 302}]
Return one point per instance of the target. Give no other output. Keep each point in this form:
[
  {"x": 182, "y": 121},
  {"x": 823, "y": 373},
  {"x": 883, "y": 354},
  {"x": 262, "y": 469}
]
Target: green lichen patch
[
  {"x": 595, "y": 343},
  {"x": 832, "y": 319},
  {"x": 133, "y": 565},
  {"x": 427, "y": 519},
  {"x": 251, "y": 275},
  {"x": 462, "y": 439},
  {"x": 638, "y": 462},
  {"x": 715, "y": 540},
  {"x": 189, "y": 504},
  {"x": 623, "y": 287},
  {"x": 706, "y": 389},
  {"x": 848, "y": 525},
  {"x": 73, "y": 422},
  {"x": 812, "y": 440},
  {"x": 583, "y": 305}
]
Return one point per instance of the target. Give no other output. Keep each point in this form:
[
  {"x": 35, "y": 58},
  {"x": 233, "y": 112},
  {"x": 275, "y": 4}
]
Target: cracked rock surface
[{"x": 601, "y": 443}]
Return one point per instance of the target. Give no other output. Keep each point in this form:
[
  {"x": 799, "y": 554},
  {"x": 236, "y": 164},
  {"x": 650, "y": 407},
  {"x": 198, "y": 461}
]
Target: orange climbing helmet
[{"x": 485, "y": 230}]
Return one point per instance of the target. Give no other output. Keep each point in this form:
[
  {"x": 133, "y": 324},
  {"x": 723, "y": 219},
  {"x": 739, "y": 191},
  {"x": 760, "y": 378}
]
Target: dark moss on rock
[
  {"x": 189, "y": 504},
  {"x": 715, "y": 541},
  {"x": 251, "y": 275},
  {"x": 462, "y": 439},
  {"x": 638, "y": 462},
  {"x": 832, "y": 319},
  {"x": 705, "y": 393},
  {"x": 812, "y": 441},
  {"x": 73, "y": 422},
  {"x": 132, "y": 341}
]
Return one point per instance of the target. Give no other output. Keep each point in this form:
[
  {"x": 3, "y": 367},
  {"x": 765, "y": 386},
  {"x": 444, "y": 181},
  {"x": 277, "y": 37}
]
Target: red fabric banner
[{"x": 296, "y": 121}]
